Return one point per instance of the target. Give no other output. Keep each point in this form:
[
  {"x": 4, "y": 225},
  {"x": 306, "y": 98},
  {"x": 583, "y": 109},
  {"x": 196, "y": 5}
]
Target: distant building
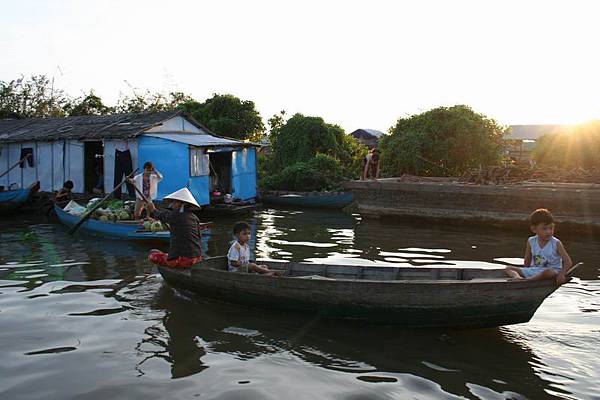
[
  {"x": 79, "y": 148},
  {"x": 368, "y": 137},
  {"x": 520, "y": 140}
]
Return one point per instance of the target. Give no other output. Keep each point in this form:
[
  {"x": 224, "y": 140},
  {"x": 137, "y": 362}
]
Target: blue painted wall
[
  {"x": 243, "y": 174},
  {"x": 199, "y": 186},
  {"x": 172, "y": 159}
]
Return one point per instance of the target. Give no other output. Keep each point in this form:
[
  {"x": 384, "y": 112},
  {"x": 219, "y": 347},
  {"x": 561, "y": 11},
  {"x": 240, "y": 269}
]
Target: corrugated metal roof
[
  {"x": 199, "y": 140},
  {"x": 115, "y": 126},
  {"x": 366, "y": 133},
  {"x": 534, "y": 132}
]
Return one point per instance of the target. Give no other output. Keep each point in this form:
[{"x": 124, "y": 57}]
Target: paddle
[
  {"x": 572, "y": 269},
  {"x": 201, "y": 225},
  {"x": 15, "y": 166},
  {"x": 96, "y": 206}
]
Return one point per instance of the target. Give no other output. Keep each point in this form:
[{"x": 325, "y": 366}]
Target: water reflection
[
  {"x": 91, "y": 307},
  {"x": 199, "y": 328}
]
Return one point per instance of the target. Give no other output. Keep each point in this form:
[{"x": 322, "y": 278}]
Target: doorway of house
[
  {"x": 93, "y": 153},
  {"x": 220, "y": 174}
]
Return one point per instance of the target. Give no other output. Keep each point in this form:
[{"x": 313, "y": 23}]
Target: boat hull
[
  {"x": 308, "y": 199},
  {"x": 110, "y": 229},
  {"x": 14, "y": 199},
  {"x": 443, "y": 303}
]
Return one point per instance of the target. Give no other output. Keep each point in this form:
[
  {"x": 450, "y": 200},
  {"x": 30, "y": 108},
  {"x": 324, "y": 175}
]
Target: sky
[{"x": 358, "y": 64}]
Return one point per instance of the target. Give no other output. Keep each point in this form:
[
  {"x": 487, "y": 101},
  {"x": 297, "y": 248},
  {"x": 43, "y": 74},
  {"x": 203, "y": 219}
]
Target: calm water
[{"x": 87, "y": 318}]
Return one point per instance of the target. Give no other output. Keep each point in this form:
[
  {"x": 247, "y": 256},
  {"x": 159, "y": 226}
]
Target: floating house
[
  {"x": 96, "y": 152},
  {"x": 368, "y": 137}
]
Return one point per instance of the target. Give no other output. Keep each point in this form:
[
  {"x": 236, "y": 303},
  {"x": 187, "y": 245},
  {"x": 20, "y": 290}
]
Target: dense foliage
[
  {"x": 89, "y": 105},
  {"x": 308, "y": 154},
  {"x": 35, "y": 97},
  {"x": 444, "y": 141},
  {"x": 227, "y": 115},
  {"x": 578, "y": 147}
]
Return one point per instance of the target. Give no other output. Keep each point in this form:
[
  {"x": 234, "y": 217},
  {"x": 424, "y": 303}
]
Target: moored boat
[
  {"x": 131, "y": 230},
  {"x": 307, "y": 199},
  {"x": 13, "y": 199},
  {"x": 408, "y": 296}
]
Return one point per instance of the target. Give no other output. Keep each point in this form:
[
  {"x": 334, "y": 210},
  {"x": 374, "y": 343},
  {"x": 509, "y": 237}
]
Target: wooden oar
[
  {"x": 202, "y": 225},
  {"x": 96, "y": 206},
  {"x": 15, "y": 166},
  {"x": 572, "y": 269}
]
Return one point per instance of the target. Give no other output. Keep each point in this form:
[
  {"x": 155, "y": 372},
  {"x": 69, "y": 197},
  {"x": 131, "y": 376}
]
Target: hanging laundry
[
  {"x": 24, "y": 152},
  {"x": 123, "y": 167}
]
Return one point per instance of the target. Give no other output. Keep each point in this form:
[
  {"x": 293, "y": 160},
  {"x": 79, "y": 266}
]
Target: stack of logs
[{"x": 516, "y": 173}]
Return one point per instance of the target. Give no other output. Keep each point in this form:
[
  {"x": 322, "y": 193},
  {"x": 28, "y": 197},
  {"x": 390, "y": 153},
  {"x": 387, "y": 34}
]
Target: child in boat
[
  {"x": 545, "y": 255},
  {"x": 63, "y": 196},
  {"x": 238, "y": 257},
  {"x": 147, "y": 183}
]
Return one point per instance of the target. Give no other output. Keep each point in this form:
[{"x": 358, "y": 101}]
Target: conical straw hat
[{"x": 183, "y": 195}]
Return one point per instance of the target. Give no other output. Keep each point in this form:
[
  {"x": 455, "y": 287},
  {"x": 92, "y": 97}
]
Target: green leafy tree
[
  {"x": 309, "y": 154},
  {"x": 35, "y": 97},
  {"x": 90, "y": 104},
  {"x": 227, "y": 115},
  {"x": 444, "y": 141},
  {"x": 148, "y": 101},
  {"x": 576, "y": 147}
]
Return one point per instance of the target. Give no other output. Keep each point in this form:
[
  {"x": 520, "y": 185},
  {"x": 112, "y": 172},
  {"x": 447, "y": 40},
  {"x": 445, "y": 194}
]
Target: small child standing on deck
[
  {"x": 238, "y": 257},
  {"x": 545, "y": 255}
]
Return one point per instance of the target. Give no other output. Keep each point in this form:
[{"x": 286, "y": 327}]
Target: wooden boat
[
  {"x": 227, "y": 209},
  {"x": 131, "y": 230},
  {"x": 308, "y": 199},
  {"x": 13, "y": 199},
  {"x": 409, "y": 296}
]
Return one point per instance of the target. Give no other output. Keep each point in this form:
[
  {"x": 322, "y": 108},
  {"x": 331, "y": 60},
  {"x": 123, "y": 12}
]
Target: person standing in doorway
[{"x": 147, "y": 183}]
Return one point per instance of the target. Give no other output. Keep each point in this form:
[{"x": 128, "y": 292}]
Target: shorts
[
  {"x": 159, "y": 258},
  {"x": 243, "y": 268},
  {"x": 528, "y": 272}
]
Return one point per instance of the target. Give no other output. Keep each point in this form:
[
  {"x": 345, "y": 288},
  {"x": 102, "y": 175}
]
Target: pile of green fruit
[
  {"x": 114, "y": 210},
  {"x": 155, "y": 226}
]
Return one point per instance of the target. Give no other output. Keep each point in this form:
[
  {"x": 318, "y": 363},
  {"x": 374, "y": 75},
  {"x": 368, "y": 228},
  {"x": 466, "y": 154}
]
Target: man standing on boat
[
  {"x": 185, "y": 246},
  {"x": 146, "y": 183}
]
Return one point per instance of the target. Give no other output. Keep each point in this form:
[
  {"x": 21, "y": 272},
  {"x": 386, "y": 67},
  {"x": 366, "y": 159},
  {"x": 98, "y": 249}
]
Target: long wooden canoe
[
  {"x": 409, "y": 296},
  {"x": 13, "y": 199},
  {"x": 307, "y": 199},
  {"x": 130, "y": 230}
]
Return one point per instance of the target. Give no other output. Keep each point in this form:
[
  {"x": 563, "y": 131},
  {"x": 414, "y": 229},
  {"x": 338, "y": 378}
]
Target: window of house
[{"x": 198, "y": 162}]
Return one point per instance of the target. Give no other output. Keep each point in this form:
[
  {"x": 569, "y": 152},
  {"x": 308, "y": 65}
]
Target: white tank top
[{"x": 546, "y": 257}]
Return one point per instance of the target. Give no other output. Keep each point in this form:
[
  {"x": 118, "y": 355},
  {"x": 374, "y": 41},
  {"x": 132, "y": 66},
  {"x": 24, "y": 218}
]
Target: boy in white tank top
[
  {"x": 238, "y": 256},
  {"x": 545, "y": 255}
]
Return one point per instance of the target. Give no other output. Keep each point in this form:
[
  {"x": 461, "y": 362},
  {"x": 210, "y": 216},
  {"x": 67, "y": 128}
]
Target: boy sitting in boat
[
  {"x": 238, "y": 257},
  {"x": 64, "y": 195},
  {"x": 146, "y": 183},
  {"x": 545, "y": 255},
  {"x": 184, "y": 225}
]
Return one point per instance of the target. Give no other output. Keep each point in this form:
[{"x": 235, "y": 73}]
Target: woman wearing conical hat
[{"x": 185, "y": 246}]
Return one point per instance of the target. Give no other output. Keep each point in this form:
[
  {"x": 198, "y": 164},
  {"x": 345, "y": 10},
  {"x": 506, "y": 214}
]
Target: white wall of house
[
  {"x": 176, "y": 124},
  {"x": 109, "y": 159},
  {"x": 53, "y": 164}
]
